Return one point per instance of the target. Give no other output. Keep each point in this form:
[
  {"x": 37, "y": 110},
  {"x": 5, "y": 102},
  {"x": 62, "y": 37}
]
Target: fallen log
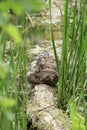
[{"x": 42, "y": 110}]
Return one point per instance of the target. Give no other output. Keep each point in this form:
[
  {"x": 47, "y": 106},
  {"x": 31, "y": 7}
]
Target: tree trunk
[{"x": 42, "y": 110}]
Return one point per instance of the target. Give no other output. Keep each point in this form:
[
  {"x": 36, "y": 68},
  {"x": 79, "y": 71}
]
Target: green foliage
[
  {"x": 53, "y": 42},
  {"x": 6, "y": 102},
  {"x": 31, "y": 5},
  {"x": 4, "y": 70},
  {"x": 78, "y": 122},
  {"x": 73, "y": 65},
  {"x": 14, "y": 33},
  {"x": 13, "y": 70},
  {"x": 3, "y": 18},
  {"x": 5, "y": 6},
  {"x": 72, "y": 83},
  {"x": 64, "y": 66}
]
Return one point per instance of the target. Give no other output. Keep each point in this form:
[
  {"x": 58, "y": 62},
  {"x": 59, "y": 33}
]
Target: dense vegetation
[
  {"x": 13, "y": 82},
  {"x": 72, "y": 85}
]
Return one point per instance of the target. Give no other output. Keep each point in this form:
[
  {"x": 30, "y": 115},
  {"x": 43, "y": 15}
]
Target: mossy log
[{"x": 42, "y": 110}]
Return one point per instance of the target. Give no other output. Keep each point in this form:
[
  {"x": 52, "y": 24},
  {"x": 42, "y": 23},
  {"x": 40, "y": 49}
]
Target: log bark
[{"x": 42, "y": 110}]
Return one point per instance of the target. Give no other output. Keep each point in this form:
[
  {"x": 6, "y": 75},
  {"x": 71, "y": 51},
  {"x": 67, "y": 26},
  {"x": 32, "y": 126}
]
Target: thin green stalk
[
  {"x": 53, "y": 42},
  {"x": 63, "y": 68}
]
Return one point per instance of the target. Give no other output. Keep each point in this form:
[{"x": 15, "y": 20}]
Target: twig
[{"x": 30, "y": 19}]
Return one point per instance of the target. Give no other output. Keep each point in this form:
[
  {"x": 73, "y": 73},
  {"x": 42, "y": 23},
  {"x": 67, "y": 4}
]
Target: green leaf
[
  {"x": 6, "y": 102},
  {"x": 14, "y": 33},
  {"x": 4, "y": 70},
  {"x": 15, "y": 6},
  {"x": 19, "y": 5}
]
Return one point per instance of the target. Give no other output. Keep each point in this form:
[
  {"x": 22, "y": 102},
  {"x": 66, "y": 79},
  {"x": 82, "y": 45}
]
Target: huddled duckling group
[{"x": 43, "y": 70}]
